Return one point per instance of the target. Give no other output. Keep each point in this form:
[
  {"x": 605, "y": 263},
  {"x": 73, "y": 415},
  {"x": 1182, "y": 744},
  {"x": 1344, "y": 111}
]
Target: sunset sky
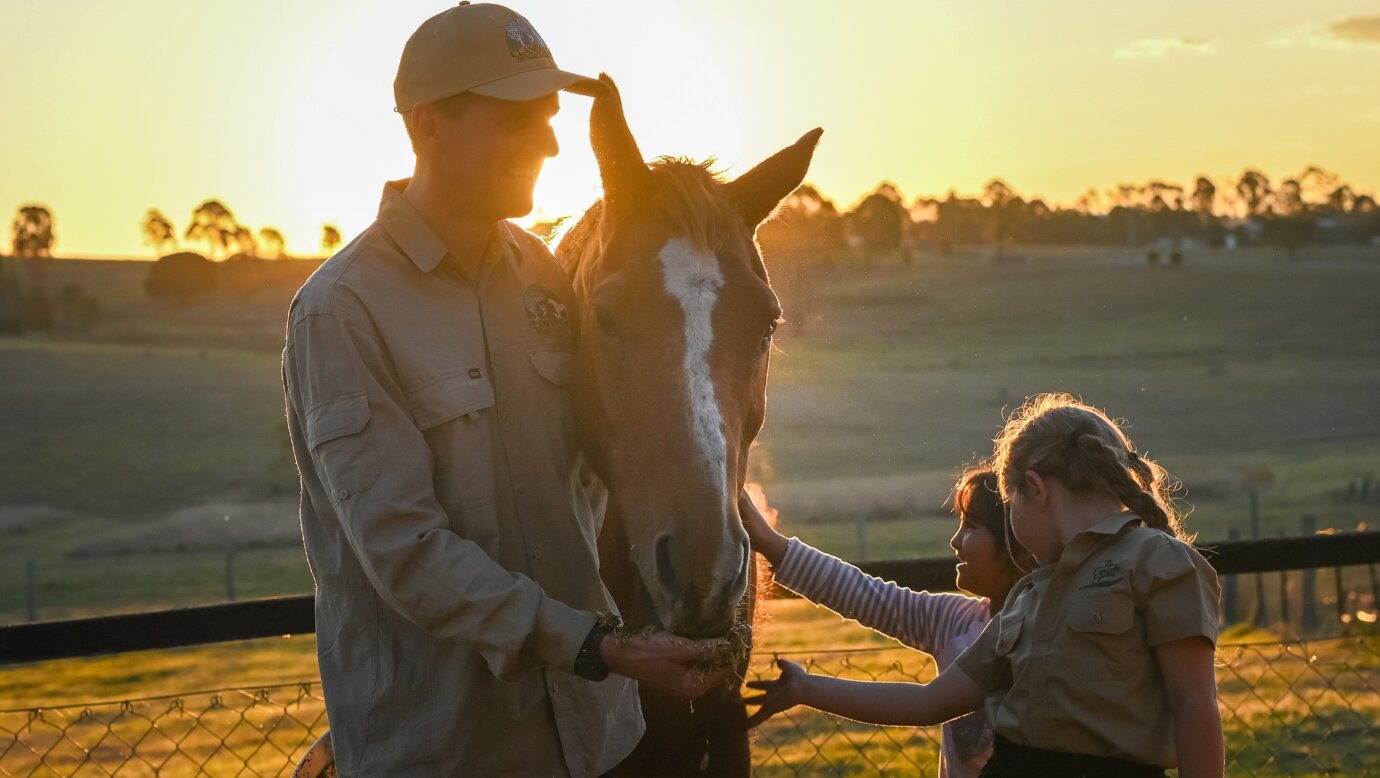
[{"x": 283, "y": 109}]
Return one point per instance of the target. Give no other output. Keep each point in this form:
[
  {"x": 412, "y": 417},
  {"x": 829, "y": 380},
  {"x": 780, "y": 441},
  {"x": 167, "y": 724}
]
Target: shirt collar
[
  {"x": 1084, "y": 543},
  {"x": 1112, "y": 524},
  {"x": 422, "y": 245}
]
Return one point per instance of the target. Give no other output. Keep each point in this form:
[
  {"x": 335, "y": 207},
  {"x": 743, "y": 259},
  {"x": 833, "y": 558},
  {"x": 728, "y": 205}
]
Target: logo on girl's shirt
[{"x": 1105, "y": 575}]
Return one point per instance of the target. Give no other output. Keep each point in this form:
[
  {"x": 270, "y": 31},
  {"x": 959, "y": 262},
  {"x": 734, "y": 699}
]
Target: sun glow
[{"x": 283, "y": 111}]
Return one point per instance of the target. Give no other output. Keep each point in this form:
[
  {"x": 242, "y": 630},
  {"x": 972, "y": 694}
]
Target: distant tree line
[
  {"x": 215, "y": 226},
  {"x": 212, "y": 224},
  {"x": 1314, "y": 207},
  {"x": 184, "y": 275}
]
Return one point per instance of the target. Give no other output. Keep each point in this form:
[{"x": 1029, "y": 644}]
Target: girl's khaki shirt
[{"x": 1069, "y": 664}]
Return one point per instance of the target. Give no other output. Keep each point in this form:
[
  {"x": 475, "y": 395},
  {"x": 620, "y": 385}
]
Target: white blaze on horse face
[{"x": 694, "y": 279}]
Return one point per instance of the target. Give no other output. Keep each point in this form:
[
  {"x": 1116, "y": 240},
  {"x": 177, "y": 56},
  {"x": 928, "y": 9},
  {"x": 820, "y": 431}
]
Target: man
[{"x": 447, "y": 527}]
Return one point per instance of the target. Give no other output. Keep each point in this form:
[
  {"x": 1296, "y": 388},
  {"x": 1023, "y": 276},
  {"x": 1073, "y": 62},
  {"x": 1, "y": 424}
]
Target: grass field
[
  {"x": 1289, "y": 709},
  {"x": 151, "y": 430}
]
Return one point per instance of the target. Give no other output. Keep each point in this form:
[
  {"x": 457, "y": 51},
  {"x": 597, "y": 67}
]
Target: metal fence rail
[{"x": 1288, "y": 708}]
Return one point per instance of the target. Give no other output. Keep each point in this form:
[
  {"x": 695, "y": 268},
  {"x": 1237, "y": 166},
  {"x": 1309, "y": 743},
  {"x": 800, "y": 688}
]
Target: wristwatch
[{"x": 589, "y": 662}]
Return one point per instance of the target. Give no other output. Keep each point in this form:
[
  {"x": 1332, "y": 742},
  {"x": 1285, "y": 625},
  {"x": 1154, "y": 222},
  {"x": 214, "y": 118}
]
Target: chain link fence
[{"x": 1299, "y": 708}]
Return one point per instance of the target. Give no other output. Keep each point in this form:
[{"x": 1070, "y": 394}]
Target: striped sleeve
[{"x": 921, "y": 620}]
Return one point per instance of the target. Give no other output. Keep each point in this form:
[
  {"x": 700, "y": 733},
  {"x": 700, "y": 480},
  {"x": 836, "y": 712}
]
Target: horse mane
[{"x": 686, "y": 193}]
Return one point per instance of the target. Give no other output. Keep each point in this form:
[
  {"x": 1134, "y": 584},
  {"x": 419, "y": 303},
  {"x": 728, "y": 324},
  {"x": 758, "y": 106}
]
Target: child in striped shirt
[{"x": 990, "y": 561}]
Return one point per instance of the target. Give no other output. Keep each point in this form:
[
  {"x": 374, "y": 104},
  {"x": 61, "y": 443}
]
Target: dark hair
[
  {"x": 1059, "y": 436},
  {"x": 977, "y": 499},
  {"x": 453, "y": 107}
]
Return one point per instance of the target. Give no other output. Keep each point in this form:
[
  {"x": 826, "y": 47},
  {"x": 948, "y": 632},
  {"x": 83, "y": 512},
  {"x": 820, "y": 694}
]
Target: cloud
[
  {"x": 1352, "y": 32},
  {"x": 1363, "y": 30},
  {"x": 1156, "y": 48}
]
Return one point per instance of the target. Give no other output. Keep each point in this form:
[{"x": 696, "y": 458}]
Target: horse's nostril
[{"x": 665, "y": 570}]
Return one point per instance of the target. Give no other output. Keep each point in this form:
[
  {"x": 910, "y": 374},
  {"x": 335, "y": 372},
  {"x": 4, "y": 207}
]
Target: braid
[
  {"x": 1119, "y": 471},
  {"x": 1058, "y": 435}
]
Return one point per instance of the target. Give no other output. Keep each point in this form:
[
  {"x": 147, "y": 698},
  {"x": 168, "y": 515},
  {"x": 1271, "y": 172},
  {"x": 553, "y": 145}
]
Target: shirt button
[
  {"x": 537, "y": 553},
  {"x": 342, "y": 494},
  {"x": 555, "y": 687}
]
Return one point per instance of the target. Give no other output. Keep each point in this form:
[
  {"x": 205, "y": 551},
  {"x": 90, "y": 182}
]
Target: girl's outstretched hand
[
  {"x": 765, "y": 539},
  {"x": 786, "y": 692}
]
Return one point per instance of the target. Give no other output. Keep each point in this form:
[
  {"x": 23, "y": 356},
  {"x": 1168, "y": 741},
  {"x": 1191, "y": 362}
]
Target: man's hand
[
  {"x": 676, "y": 664},
  {"x": 784, "y": 693}
]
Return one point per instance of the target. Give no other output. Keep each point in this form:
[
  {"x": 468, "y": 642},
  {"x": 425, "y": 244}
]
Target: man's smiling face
[{"x": 491, "y": 152}]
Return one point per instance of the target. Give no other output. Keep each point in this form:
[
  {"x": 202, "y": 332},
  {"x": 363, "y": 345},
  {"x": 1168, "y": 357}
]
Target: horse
[{"x": 677, "y": 316}]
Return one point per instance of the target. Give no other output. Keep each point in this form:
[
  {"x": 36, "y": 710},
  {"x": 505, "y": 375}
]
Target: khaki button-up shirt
[
  {"x": 445, "y": 519},
  {"x": 1069, "y": 663}
]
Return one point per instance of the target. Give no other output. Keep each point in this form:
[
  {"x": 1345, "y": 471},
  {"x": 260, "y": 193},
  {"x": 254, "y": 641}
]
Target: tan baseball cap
[{"x": 482, "y": 48}]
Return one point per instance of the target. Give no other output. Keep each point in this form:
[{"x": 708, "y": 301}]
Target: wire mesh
[{"x": 1297, "y": 708}]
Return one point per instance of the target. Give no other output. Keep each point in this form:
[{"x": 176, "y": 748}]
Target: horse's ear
[
  {"x": 757, "y": 192},
  {"x": 625, "y": 175}
]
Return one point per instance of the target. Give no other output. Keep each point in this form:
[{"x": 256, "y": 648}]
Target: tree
[
  {"x": 272, "y": 241},
  {"x": 33, "y": 232},
  {"x": 1089, "y": 202},
  {"x": 879, "y": 220},
  {"x": 1002, "y": 205},
  {"x": 807, "y": 226},
  {"x": 244, "y": 239},
  {"x": 1316, "y": 184},
  {"x": 330, "y": 238},
  {"x": 213, "y": 223},
  {"x": 1204, "y": 196},
  {"x": 1342, "y": 199},
  {"x": 180, "y": 276},
  {"x": 158, "y": 231},
  {"x": 1254, "y": 189},
  {"x": 1290, "y": 226}
]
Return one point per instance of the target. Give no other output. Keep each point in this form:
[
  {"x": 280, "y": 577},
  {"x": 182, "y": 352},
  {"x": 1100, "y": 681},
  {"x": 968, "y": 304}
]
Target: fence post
[
  {"x": 1260, "y": 615},
  {"x": 1284, "y": 598},
  {"x": 1308, "y": 588},
  {"x": 230, "y": 573},
  {"x": 860, "y": 535},
  {"x": 1374, "y": 588},
  {"x": 1255, "y": 514},
  {"x": 1341, "y": 593},
  {"x": 1229, "y": 603},
  {"x": 30, "y": 590}
]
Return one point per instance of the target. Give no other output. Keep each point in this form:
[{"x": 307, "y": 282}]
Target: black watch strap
[{"x": 589, "y": 662}]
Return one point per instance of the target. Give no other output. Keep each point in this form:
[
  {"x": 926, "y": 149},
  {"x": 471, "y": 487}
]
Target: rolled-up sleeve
[
  {"x": 983, "y": 664},
  {"x": 376, "y": 469}
]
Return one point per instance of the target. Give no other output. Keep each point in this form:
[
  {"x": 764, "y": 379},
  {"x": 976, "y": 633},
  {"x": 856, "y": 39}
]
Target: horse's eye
[{"x": 605, "y": 320}]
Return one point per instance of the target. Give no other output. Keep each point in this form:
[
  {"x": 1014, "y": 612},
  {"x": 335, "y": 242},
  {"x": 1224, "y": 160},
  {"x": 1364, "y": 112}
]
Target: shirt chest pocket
[
  {"x": 455, "y": 414},
  {"x": 1008, "y": 632},
  {"x": 555, "y": 366},
  {"x": 1102, "y": 640},
  {"x": 550, "y": 397}
]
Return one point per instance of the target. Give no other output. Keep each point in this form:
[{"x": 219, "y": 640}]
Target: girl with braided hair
[{"x": 1100, "y": 662}]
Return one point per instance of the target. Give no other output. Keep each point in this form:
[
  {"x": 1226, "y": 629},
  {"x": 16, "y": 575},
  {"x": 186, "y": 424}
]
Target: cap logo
[{"x": 523, "y": 41}]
